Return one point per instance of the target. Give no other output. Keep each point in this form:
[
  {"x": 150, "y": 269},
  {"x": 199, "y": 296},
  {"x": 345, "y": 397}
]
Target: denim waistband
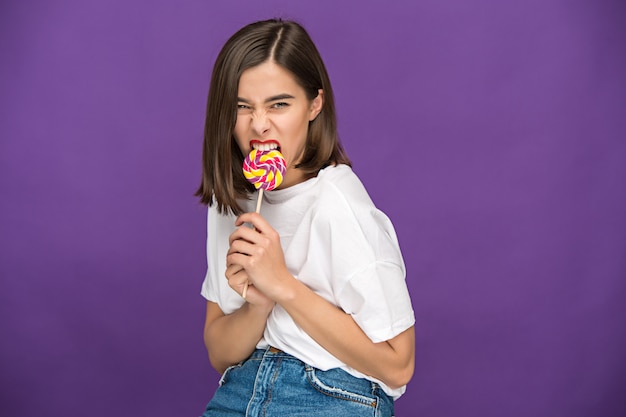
[{"x": 273, "y": 353}]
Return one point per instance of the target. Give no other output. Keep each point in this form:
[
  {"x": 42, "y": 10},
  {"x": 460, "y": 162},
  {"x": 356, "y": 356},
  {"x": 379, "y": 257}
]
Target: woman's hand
[
  {"x": 238, "y": 278},
  {"x": 256, "y": 256}
]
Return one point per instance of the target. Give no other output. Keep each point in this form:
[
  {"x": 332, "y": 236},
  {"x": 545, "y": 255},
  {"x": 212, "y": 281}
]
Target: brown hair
[{"x": 288, "y": 44}]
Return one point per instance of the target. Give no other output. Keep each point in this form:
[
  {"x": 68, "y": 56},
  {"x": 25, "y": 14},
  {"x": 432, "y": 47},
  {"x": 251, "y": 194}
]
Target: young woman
[{"x": 326, "y": 328}]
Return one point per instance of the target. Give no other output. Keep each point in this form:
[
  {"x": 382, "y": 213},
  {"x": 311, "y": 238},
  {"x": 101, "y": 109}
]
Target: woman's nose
[{"x": 260, "y": 122}]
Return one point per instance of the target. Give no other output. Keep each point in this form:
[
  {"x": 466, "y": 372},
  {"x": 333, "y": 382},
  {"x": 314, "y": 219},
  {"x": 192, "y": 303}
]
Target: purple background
[{"x": 492, "y": 132}]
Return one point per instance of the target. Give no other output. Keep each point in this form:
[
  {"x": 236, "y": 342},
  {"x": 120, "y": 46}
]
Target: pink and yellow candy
[{"x": 264, "y": 169}]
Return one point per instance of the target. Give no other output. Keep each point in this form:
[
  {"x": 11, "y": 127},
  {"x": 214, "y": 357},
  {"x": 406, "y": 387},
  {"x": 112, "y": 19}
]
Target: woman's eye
[
  {"x": 243, "y": 107},
  {"x": 280, "y": 105}
]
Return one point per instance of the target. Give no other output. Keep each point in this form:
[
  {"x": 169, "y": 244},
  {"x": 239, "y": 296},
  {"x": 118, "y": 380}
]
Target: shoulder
[
  {"x": 219, "y": 224},
  {"x": 341, "y": 186},
  {"x": 215, "y": 218},
  {"x": 342, "y": 177},
  {"x": 344, "y": 203}
]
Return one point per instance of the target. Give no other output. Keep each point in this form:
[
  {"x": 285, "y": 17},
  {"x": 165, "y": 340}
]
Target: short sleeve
[{"x": 378, "y": 299}]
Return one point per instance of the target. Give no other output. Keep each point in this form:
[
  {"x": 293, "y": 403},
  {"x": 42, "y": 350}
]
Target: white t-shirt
[{"x": 337, "y": 243}]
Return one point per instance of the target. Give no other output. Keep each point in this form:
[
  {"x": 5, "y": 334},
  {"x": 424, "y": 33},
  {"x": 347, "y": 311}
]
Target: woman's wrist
[{"x": 263, "y": 309}]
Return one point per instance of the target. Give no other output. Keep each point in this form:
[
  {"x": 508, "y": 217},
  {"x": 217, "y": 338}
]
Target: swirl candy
[{"x": 264, "y": 169}]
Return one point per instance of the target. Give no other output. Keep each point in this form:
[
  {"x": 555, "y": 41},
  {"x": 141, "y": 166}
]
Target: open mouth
[{"x": 265, "y": 146}]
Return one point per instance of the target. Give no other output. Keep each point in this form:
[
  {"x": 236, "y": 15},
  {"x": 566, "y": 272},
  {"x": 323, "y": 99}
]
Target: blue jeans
[{"x": 271, "y": 383}]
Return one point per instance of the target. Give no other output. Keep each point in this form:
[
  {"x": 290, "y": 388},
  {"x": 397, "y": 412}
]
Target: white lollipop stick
[{"x": 258, "y": 210}]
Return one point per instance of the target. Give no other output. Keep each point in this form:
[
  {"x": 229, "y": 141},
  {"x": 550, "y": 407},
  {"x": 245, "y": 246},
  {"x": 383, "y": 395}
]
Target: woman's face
[{"x": 273, "y": 111}]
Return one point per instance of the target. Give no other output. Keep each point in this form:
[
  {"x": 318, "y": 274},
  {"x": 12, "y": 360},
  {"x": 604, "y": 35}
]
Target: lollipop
[{"x": 265, "y": 170}]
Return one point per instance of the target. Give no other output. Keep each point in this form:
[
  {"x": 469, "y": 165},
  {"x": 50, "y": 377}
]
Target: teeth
[{"x": 265, "y": 146}]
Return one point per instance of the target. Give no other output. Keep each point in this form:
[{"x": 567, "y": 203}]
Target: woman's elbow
[
  {"x": 219, "y": 366},
  {"x": 400, "y": 377},
  {"x": 214, "y": 359},
  {"x": 402, "y": 366}
]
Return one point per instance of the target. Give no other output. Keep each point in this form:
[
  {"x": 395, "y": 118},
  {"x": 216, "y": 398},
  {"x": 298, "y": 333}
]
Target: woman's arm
[
  {"x": 259, "y": 253},
  {"x": 391, "y": 361},
  {"x": 231, "y": 338}
]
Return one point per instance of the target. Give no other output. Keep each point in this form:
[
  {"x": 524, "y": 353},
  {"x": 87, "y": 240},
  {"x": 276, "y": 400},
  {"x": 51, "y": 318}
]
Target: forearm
[
  {"x": 392, "y": 361},
  {"x": 231, "y": 338}
]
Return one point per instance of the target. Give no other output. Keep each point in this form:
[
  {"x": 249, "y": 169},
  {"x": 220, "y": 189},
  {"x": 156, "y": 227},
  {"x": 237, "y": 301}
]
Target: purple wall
[{"x": 492, "y": 133}]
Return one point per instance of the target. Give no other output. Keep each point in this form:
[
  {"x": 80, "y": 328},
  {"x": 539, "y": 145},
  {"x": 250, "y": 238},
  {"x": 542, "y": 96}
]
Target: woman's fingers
[
  {"x": 240, "y": 246},
  {"x": 257, "y": 251},
  {"x": 255, "y": 220}
]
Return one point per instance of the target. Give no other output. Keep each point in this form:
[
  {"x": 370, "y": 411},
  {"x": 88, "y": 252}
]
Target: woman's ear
[{"x": 316, "y": 105}]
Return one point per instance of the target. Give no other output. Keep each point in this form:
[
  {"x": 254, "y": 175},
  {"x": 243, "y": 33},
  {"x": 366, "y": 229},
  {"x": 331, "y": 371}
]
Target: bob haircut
[{"x": 288, "y": 44}]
